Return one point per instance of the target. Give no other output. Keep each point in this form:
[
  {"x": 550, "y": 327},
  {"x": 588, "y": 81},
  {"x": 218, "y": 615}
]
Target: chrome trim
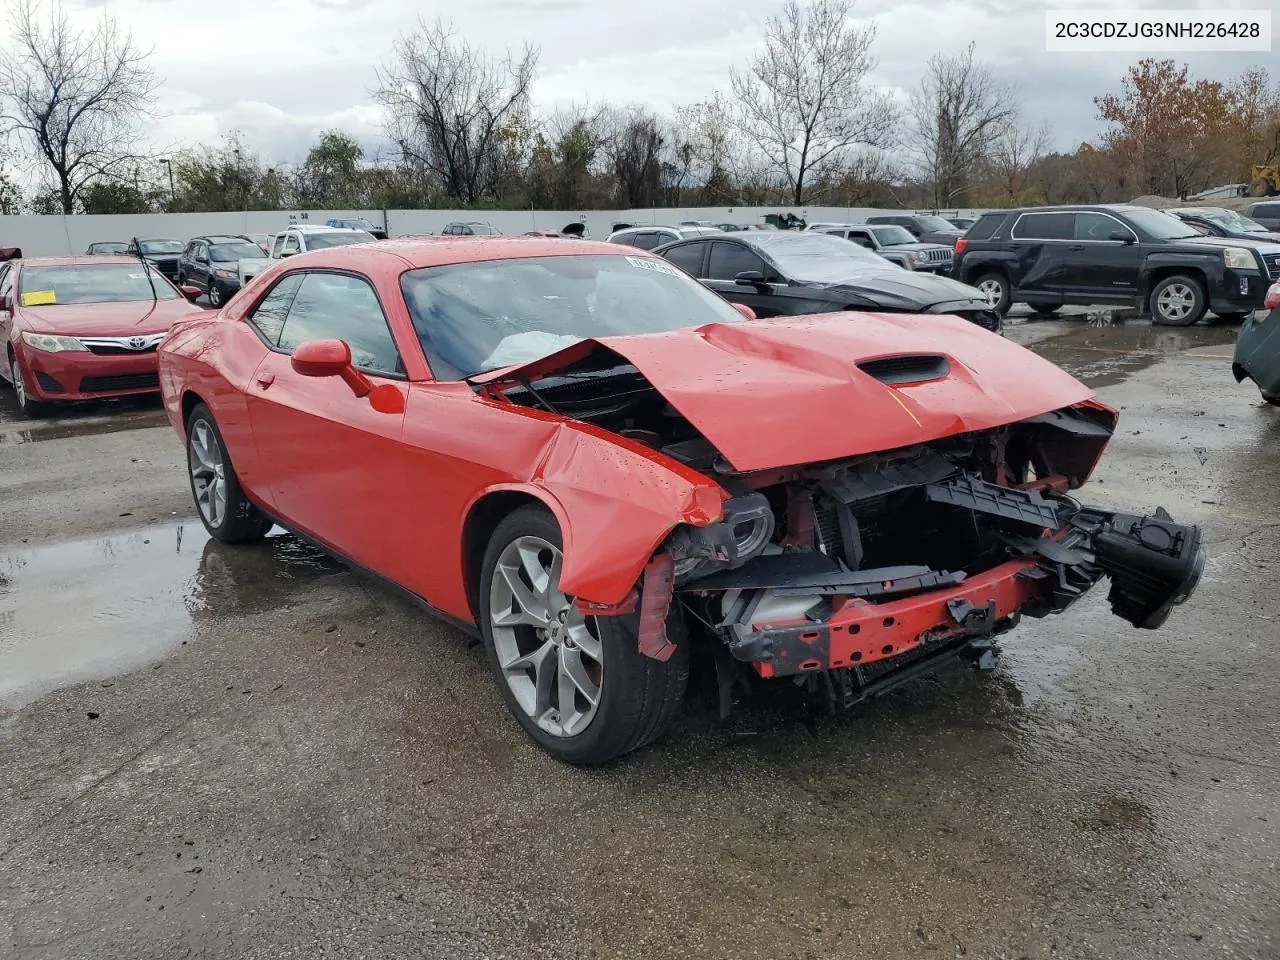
[
  {"x": 1044, "y": 213},
  {"x": 138, "y": 343}
]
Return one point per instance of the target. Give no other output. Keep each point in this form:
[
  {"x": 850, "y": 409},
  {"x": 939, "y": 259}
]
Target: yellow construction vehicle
[{"x": 1264, "y": 181}]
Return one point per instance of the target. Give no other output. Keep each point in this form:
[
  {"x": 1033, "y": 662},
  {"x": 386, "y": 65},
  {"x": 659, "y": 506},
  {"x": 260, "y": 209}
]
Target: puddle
[
  {"x": 30, "y": 433},
  {"x": 1108, "y": 354},
  {"x": 83, "y": 609},
  {"x": 79, "y": 419}
]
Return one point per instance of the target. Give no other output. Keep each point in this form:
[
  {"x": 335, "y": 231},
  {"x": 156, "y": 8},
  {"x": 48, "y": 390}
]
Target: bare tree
[
  {"x": 447, "y": 104},
  {"x": 957, "y": 111},
  {"x": 76, "y": 96},
  {"x": 805, "y": 101},
  {"x": 1014, "y": 152},
  {"x": 635, "y": 147}
]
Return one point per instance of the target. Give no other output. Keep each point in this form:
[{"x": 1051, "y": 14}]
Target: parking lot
[{"x": 214, "y": 751}]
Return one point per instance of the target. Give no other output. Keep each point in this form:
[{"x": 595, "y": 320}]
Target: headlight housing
[
  {"x": 226, "y": 274},
  {"x": 51, "y": 343},
  {"x": 913, "y": 259},
  {"x": 1238, "y": 258},
  {"x": 743, "y": 533}
]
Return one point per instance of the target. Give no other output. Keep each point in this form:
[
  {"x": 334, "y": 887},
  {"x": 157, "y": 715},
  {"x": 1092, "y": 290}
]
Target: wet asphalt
[{"x": 248, "y": 752}]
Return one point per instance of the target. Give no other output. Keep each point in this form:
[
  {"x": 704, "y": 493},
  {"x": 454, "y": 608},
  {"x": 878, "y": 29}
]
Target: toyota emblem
[{"x": 137, "y": 343}]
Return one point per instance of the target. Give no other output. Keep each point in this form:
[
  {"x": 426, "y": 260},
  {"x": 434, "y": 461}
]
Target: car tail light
[
  {"x": 1273, "y": 297},
  {"x": 961, "y": 244}
]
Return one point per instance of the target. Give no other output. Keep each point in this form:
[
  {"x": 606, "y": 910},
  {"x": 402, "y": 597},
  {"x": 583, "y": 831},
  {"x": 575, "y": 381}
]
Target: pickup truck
[{"x": 1114, "y": 254}]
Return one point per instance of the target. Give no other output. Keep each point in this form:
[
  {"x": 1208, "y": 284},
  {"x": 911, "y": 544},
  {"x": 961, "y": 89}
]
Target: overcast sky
[{"x": 280, "y": 71}]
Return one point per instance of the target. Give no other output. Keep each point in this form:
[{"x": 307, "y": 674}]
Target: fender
[
  {"x": 1209, "y": 267},
  {"x": 990, "y": 259},
  {"x": 615, "y": 500}
]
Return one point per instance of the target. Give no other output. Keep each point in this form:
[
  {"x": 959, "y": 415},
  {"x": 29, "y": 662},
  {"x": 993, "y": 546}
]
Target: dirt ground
[{"x": 248, "y": 752}]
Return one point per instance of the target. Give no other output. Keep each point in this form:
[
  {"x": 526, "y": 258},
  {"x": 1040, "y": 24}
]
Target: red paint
[{"x": 390, "y": 478}]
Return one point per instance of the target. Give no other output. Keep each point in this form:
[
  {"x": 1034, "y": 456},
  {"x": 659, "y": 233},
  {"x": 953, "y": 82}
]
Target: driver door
[
  {"x": 726, "y": 261},
  {"x": 335, "y": 466}
]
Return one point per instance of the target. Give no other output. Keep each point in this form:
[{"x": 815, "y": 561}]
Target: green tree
[{"x": 331, "y": 177}]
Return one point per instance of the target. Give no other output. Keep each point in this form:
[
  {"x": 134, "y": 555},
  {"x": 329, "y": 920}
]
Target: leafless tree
[
  {"x": 1015, "y": 150},
  {"x": 75, "y": 96},
  {"x": 957, "y": 111},
  {"x": 805, "y": 102},
  {"x": 636, "y": 145},
  {"x": 448, "y": 103}
]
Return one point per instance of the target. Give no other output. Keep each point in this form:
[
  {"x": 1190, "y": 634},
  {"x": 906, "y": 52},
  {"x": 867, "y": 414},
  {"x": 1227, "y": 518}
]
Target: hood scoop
[{"x": 907, "y": 369}]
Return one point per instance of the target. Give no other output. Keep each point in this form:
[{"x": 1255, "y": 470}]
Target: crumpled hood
[
  {"x": 896, "y": 289},
  {"x": 786, "y": 391}
]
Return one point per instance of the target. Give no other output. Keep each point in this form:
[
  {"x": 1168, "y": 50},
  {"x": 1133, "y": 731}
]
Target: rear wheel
[
  {"x": 226, "y": 513},
  {"x": 995, "y": 285},
  {"x": 1262, "y": 187},
  {"x": 578, "y": 685},
  {"x": 1178, "y": 301},
  {"x": 30, "y": 408}
]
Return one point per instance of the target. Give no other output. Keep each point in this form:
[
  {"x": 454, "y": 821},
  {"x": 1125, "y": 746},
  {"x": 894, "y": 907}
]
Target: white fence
[{"x": 62, "y": 236}]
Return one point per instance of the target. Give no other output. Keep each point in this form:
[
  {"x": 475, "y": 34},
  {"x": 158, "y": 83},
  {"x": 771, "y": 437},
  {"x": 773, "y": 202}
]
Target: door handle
[
  {"x": 1076, "y": 246},
  {"x": 266, "y": 379}
]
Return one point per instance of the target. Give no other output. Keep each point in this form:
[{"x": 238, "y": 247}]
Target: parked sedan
[
  {"x": 1257, "y": 355},
  {"x": 582, "y": 455},
  {"x": 107, "y": 248},
  {"x": 80, "y": 328},
  {"x": 217, "y": 265},
  {"x": 782, "y": 272}
]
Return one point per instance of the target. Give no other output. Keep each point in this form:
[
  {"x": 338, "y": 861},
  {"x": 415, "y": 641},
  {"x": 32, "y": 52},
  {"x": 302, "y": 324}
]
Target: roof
[
  {"x": 84, "y": 260},
  {"x": 414, "y": 252},
  {"x": 221, "y": 238},
  {"x": 319, "y": 228}
]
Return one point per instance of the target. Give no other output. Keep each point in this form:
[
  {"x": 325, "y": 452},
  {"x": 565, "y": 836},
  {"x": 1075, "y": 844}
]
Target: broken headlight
[
  {"x": 1154, "y": 564},
  {"x": 745, "y": 530}
]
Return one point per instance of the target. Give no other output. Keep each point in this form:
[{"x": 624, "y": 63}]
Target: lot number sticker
[{"x": 654, "y": 264}]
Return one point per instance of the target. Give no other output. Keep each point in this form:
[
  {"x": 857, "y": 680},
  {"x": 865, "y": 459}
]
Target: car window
[
  {"x": 236, "y": 251},
  {"x": 92, "y": 283},
  {"x": 730, "y": 259},
  {"x": 647, "y": 240},
  {"x": 861, "y": 239},
  {"x": 473, "y": 317},
  {"x": 6, "y": 281},
  {"x": 1098, "y": 226},
  {"x": 1267, "y": 210},
  {"x": 687, "y": 257},
  {"x": 268, "y": 316},
  {"x": 290, "y": 243},
  {"x": 893, "y": 236},
  {"x": 985, "y": 227},
  {"x": 1045, "y": 226},
  {"x": 277, "y": 245},
  {"x": 322, "y": 241},
  {"x": 343, "y": 307}
]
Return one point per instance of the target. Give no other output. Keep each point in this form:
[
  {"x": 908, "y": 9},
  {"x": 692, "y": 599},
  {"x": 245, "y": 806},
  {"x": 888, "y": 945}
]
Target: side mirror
[
  {"x": 749, "y": 278},
  {"x": 190, "y": 292},
  {"x": 1123, "y": 236},
  {"x": 329, "y": 358},
  {"x": 746, "y": 311}
]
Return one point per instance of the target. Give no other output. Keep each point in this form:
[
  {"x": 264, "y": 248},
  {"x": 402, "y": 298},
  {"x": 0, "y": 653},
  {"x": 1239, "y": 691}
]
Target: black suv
[
  {"x": 1124, "y": 255},
  {"x": 925, "y": 227},
  {"x": 213, "y": 265}
]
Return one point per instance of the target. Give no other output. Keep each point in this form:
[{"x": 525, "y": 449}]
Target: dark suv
[
  {"x": 925, "y": 227},
  {"x": 1123, "y": 255},
  {"x": 213, "y": 265}
]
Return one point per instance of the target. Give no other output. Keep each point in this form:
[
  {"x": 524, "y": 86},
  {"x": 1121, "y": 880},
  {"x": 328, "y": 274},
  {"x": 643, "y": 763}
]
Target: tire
[
  {"x": 1271, "y": 398},
  {"x": 997, "y": 288},
  {"x": 1178, "y": 301},
  {"x": 1045, "y": 309},
  {"x": 216, "y": 299},
  {"x": 208, "y": 465},
  {"x": 637, "y": 697},
  {"x": 30, "y": 408},
  {"x": 1261, "y": 187}
]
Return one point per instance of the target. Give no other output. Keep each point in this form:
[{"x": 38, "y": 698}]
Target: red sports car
[
  {"x": 82, "y": 328},
  {"x": 578, "y": 452}
]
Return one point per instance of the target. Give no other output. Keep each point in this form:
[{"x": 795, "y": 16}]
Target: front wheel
[
  {"x": 30, "y": 408},
  {"x": 216, "y": 298},
  {"x": 578, "y": 685},
  {"x": 226, "y": 513},
  {"x": 1178, "y": 301},
  {"x": 995, "y": 286}
]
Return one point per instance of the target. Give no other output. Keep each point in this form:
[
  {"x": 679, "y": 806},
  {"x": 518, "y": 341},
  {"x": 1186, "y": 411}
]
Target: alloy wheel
[
  {"x": 207, "y": 464},
  {"x": 993, "y": 289},
  {"x": 549, "y": 653},
  {"x": 19, "y": 388},
  {"x": 1176, "y": 302},
  {"x": 215, "y": 295}
]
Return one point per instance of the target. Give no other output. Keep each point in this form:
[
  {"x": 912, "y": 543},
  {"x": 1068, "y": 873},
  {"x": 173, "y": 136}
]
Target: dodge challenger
[{"x": 582, "y": 455}]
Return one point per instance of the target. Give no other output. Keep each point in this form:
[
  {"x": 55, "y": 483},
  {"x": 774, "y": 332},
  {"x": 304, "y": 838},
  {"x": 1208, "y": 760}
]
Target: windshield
[
  {"x": 109, "y": 248},
  {"x": 160, "y": 246},
  {"x": 1233, "y": 221},
  {"x": 109, "y": 283},
  {"x": 938, "y": 225},
  {"x": 818, "y": 257},
  {"x": 474, "y": 317},
  {"x": 236, "y": 251},
  {"x": 1159, "y": 225},
  {"x": 321, "y": 241},
  {"x": 893, "y": 236}
]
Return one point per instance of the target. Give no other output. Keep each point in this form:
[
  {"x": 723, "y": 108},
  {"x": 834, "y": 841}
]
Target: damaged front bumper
[{"x": 789, "y": 613}]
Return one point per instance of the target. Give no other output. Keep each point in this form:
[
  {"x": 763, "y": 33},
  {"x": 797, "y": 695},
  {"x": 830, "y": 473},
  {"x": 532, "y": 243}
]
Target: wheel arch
[
  {"x": 1151, "y": 279},
  {"x": 482, "y": 519},
  {"x": 190, "y": 400}
]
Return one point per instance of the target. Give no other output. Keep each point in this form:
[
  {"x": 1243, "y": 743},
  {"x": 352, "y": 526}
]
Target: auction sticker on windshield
[
  {"x": 654, "y": 264},
  {"x": 38, "y": 298}
]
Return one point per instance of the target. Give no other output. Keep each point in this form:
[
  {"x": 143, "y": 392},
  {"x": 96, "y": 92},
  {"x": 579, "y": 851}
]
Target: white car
[{"x": 302, "y": 238}]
